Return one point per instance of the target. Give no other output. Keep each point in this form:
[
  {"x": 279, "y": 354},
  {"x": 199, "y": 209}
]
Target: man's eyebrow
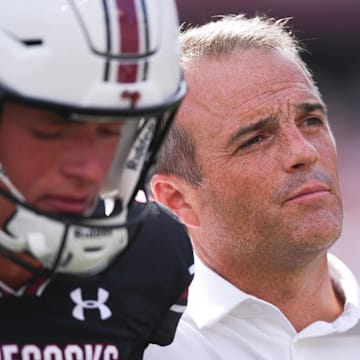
[
  {"x": 310, "y": 107},
  {"x": 258, "y": 125}
]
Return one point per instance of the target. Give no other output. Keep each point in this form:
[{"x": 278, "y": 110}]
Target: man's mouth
[{"x": 308, "y": 192}]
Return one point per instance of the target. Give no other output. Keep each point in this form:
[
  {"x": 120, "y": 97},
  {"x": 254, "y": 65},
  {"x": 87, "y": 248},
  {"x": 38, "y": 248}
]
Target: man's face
[
  {"x": 268, "y": 158},
  {"x": 57, "y": 165}
]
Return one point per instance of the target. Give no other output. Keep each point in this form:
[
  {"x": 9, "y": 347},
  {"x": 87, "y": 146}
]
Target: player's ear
[{"x": 175, "y": 194}]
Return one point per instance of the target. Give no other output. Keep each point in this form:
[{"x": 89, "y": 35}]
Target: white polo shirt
[{"x": 222, "y": 322}]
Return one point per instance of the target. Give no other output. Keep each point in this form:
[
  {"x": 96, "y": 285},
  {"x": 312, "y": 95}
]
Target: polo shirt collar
[
  {"x": 212, "y": 297},
  {"x": 344, "y": 281}
]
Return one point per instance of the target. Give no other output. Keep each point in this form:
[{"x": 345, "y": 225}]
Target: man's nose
[{"x": 298, "y": 151}]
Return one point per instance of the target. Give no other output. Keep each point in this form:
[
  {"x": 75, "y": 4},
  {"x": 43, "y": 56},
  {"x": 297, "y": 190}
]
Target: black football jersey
[{"x": 113, "y": 315}]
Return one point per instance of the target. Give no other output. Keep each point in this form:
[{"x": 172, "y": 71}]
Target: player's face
[
  {"x": 56, "y": 164},
  {"x": 268, "y": 158}
]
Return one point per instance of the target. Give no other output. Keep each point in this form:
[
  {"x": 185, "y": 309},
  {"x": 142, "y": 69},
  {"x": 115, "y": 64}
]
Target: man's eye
[
  {"x": 252, "y": 141},
  {"x": 314, "y": 121}
]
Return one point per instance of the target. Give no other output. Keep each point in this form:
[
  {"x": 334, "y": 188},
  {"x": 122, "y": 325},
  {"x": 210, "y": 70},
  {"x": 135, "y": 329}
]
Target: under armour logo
[{"x": 78, "y": 311}]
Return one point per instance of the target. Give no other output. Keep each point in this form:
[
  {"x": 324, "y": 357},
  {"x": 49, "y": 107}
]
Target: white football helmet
[{"x": 93, "y": 60}]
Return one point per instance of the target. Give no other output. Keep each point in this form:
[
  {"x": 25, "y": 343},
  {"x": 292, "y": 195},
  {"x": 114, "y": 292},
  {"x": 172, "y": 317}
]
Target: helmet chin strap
[
  {"x": 65, "y": 247},
  {"x": 21, "y": 262},
  {"x": 15, "y": 258}
]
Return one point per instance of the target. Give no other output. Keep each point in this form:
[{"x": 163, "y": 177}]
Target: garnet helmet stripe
[{"x": 129, "y": 38}]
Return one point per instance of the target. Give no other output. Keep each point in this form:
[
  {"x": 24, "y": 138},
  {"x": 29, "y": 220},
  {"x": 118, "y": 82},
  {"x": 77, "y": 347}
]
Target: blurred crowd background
[{"x": 330, "y": 32}]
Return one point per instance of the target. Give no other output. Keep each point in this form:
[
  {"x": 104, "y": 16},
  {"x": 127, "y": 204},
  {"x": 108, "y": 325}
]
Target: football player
[{"x": 88, "y": 90}]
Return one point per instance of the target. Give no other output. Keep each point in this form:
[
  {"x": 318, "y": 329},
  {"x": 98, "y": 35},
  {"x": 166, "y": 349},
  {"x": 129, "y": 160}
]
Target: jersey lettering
[{"x": 54, "y": 352}]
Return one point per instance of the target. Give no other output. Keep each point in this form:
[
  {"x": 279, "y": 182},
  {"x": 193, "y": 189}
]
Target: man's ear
[{"x": 175, "y": 194}]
